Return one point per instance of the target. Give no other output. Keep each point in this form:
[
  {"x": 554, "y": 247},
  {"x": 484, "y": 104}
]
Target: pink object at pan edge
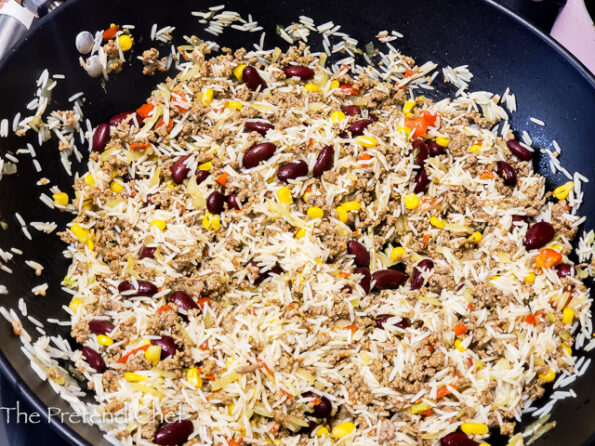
[{"x": 575, "y": 30}]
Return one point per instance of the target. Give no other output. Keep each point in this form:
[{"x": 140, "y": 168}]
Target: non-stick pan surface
[{"x": 500, "y": 49}]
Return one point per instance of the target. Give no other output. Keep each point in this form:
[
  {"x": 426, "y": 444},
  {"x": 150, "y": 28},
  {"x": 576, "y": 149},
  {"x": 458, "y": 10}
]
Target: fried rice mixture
[{"x": 282, "y": 255}]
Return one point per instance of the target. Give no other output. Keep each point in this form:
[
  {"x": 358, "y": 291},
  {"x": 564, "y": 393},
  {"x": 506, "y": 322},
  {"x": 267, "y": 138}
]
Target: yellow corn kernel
[
  {"x": 81, "y": 234},
  {"x": 207, "y": 97},
  {"x": 234, "y": 104},
  {"x": 530, "y": 278},
  {"x": 459, "y": 346},
  {"x": 485, "y": 444},
  {"x": 301, "y": 233},
  {"x": 475, "y": 237},
  {"x": 116, "y": 187},
  {"x": 89, "y": 180},
  {"x": 335, "y": 84},
  {"x": 408, "y": 106},
  {"x": 337, "y": 116},
  {"x": 475, "y": 149},
  {"x": 90, "y": 244},
  {"x": 405, "y": 130},
  {"x": 475, "y": 428},
  {"x": 315, "y": 212},
  {"x": 153, "y": 354},
  {"x": 134, "y": 377},
  {"x": 343, "y": 429},
  {"x": 561, "y": 192},
  {"x": 161, "y": 224},
  {"x": 61, "y": 198},
  {"x": 170, "y": 186},
  {"x": 206, "y": 166},
  {"x": 479, "y": 364},
  {"x": 311, "y": 87},
  {"x": 284, "y": 195},
  {"x": 104, "y": 340},
  {"x": 342, "y": 214},
  {"x": 367, "y": 141},
  {"x": 352, "y": 205},
  {"x": 442, "y": 141},
  {"x": 567, "y": 349},
  {"x": 238, "y": 72},
  {"x": 74, "y": 304},
  {"x": 437, "y": 222},
  {"x": 397, "y": 253},
  {"x": 321, "y": 432},
  {"x": 568, "y": 316},
  {"x": 318, "y": 261},
  {"x": 193, "y": 377},
  {"x": 211, "y": 222},
  {"x": 125, "y": 42},
  {"x": 411, "y": 201},
  {"x": 547, "y": 377}
]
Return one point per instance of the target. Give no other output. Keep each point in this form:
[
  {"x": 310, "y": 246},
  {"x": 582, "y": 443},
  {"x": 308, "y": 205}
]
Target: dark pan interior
[{"x": 500, "y": 50}]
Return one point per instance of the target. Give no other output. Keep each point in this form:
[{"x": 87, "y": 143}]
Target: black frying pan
[{"x": 501, "y": 50}]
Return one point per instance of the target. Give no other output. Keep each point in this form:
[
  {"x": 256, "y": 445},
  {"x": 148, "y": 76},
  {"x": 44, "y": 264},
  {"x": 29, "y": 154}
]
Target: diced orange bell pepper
[
  {"x": 365, "y": 156},
  {"x": 203, "y": 301},
  {"x": 111, "y": 32},
  {"x": 139, "y": 145},
  {"x": 348, "y": 88},
  {"x": 530, "y": 319},
  {"x": 145, "y": 110},
  {"x": 460, "y": 329},
  {"x": 124, "y": 358},
  {"x": 417, "y": 124},
  {"x": 222, "y": 179},
  {"x": 170, "y": 124},
  {"x": 430, "y": 118},
  {"x": 547, "y": 258},
  {"x": 163, "y": 309}
]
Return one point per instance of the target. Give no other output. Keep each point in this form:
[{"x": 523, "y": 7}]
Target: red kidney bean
[
  {"x": 127, "y": 178},
  {"x": 434, "y": 148},
  {"x": 358, "y": 127},
  {"x": 506, "y": 172},
  {"x": 264, "y": 274},
  {"x": 258, "y": 126},
  {"x": 259, "y": 152},
  {"x": 325, "y": 161},
  {"x": 457, "y": 439},
  {"x": 293, "y": 170},
  {"x": 253, "y": 79},
  {"x": 298, "y": 71},
  {"x": 202, "y": 175},
  {"x": 94, "y": 359},
  {"x": 539, "y": 235},
  {"x": 100, "y": 137},
  {"x": 519, "y": 151},
  {"x": 359, "y": 251},
  {"x": 174, "y": 434},
  {"x": 351, "y": 110},
  {"x": 145, "y": 288},
  {"x": 234, "y": 202},
  {"x": 519, "y": 219},
  {"x": 115, "y": 120},
  {"x": 147, "y": 252},
  {"x": 382, "y": 318},
  {"x": 307, "y": 430},
  {"x": 421, "y": 181},
  {"x": 565, "y": 270},
  {"x": 98, "y": 326},
  {"x": 388, "y": 279},
  {"x": 417, "y": 277},
  {"x": 183, "y": 301},
  {"x": 420, "y": 152},
  {"x": 215, "y": 202},
  {"x": 167, "y": 344},
  {"x": 179, "y": 170},
  {"x": 323, "y": 407},
  {"x": 366, "y": 279}
]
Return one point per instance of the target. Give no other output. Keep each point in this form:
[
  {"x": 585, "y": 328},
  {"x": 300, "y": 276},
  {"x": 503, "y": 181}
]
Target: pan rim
[{"x": 23, "y": 390}]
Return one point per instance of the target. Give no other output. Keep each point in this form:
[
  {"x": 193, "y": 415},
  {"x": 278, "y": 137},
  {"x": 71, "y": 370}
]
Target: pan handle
[{"x": 16, "y": 19}]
